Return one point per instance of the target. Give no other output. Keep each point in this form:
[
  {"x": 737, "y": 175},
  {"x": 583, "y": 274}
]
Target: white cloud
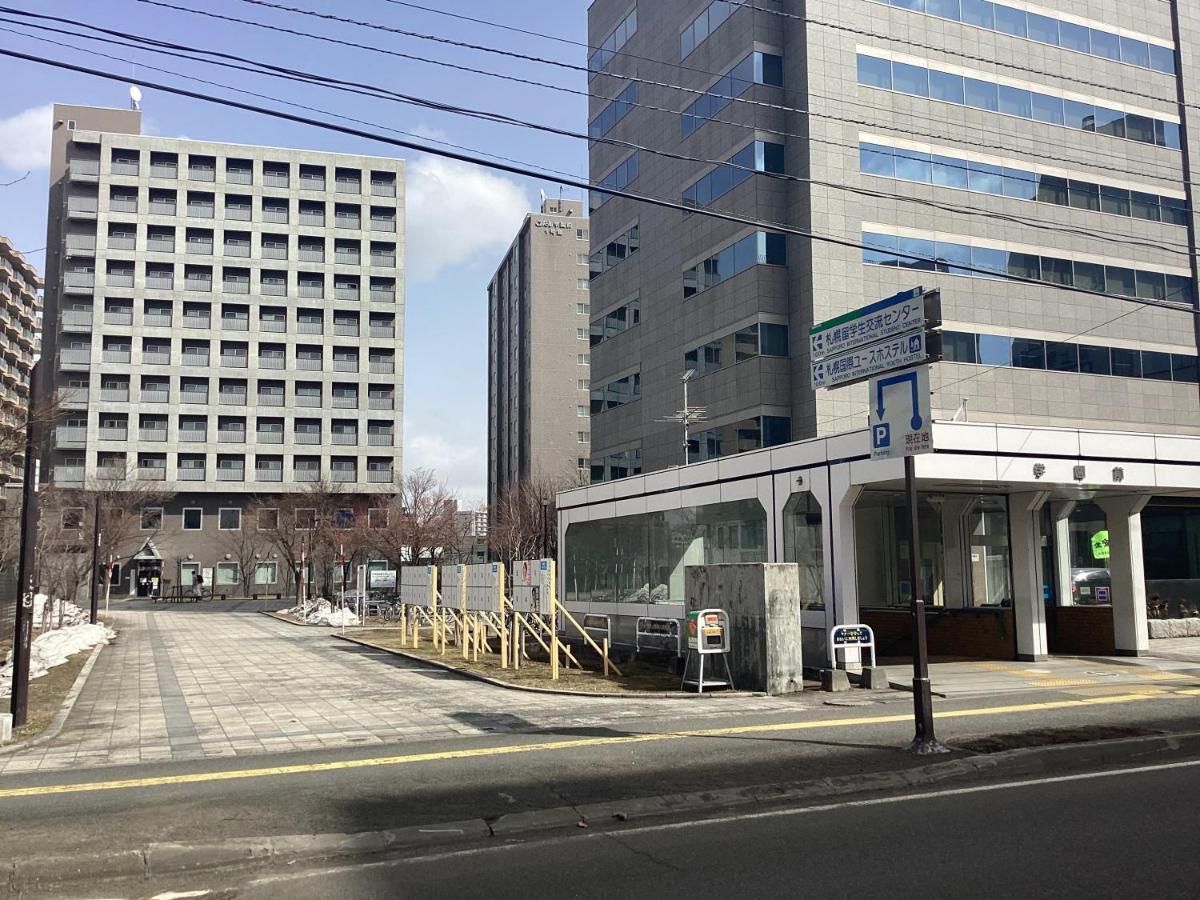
[
  {"x": 462, "y": 466},
  {"x": 25, "y": 139},
  {"x": 457, "y": 213}
]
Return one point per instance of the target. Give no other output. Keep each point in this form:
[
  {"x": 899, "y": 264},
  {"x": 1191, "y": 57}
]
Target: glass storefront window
[
  {"x": 881, "y": 529},
  {"x": 991, "y": 582},
  {"x": 1091, "y": 583},
  {"x": 804, "y": 544},
  {"x": 641, "y": 559}
]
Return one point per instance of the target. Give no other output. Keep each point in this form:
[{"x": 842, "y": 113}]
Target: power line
[
  {"x": 361, "y": 89},
  {"x": 580, "y": 184}
]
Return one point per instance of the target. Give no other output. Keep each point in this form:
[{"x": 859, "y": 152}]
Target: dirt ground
[
  {"x": 46, "y": 695},
  {"x": 639, "y": 677}
]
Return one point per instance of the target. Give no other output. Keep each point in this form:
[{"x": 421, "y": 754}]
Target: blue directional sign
[
  {"x": 901, "y": 421},
  {"x": 858, "y": 365}
]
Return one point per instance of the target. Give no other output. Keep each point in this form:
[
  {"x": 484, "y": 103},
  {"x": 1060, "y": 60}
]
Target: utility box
[{"x": 763, "y": 603}]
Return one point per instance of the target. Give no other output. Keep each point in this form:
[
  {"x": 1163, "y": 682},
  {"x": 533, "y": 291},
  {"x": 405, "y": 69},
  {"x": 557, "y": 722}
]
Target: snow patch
[
  {"x": 53, "y": 648},
  {"x": 321, "y": 612}
]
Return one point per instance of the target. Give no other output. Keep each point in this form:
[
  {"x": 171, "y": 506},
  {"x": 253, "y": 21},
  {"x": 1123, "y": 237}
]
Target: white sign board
[
  {"x": 382, "y": 578},
  {"x": 858, "y": 365},
  {"x": 908, "y": 311},
  {"x": 418, "y": 586},
  {"x": 485, "y": 587},
  {"x": 454, "y": 586},
  {"x": 533, "y": 582},
  {"x": 900, "y": 422}
]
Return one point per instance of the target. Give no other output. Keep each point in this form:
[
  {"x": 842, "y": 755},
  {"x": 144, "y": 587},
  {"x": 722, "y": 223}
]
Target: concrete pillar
[
  {"x": 1062, "y": 551},
  {"x": 841, "y": 566},
  {"x": 1029, "y": 608},
  {"x": 1125, "y": 566}
]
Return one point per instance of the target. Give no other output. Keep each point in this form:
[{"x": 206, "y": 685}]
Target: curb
[
  {"x": 495, "y": 682},
  {"x": 60, "y": 717},
  {"x": 158, "y": 859}
]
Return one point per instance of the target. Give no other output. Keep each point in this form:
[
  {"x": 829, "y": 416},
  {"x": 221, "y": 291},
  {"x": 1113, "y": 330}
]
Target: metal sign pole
[
  {"x": 26, "y": 573},
  {"x": 95, "y": 591},
  {"x": 924, "y": 741}
]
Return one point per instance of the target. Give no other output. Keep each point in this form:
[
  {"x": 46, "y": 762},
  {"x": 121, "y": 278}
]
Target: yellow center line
[{"x": 571, "y": 744}]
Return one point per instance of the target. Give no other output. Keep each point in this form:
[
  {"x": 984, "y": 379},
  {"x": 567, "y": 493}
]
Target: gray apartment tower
[
  {"x": 538, "y": 387},
  {"x": 953, "y": 138},
  {"x": 224, "y": 321},
  {"x": 20, "y": 320}
]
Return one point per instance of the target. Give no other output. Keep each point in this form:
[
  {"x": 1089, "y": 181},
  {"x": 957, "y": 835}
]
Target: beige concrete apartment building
[{"x": 20, "y": 308}]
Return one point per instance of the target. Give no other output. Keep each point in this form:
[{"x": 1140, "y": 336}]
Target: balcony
[
  {"x": 383, "y": 367},
  {"x": 264, "y": 474},
  {"x": 275, "y": 214},
  {"x": 115, "y": 394},
  {"x": 164, "y": 170},
  {"x": 68, "y": 474},
  {"x": 312, "y": 182},
  {"x": 380, "y": 439},
  {"x": 192, "y": 435},
  {"x": 317, "y": 220},
  {"x": 195, "y": 397},
  {"x": 312, "y": 254},
  {"x": 306, "y": 475},
  {"x": 156, "y": 394},
  {"x": 81, "y": 280},
  {"x": 274, "y": 251},
  {"x": 231, "y": 398},
  {"x": 193, "y": 358},
  {"x": 157, "y": 319},
  {"x": 383, "y": 331},
  {"x": 235, "y": 360},
  {"x": 312, "y": 290},
  {"x": 116, "y": 203},
  {"x": 198, "y": 284},
  {"x": 190, "y": 474},
  {"x": 273, "y": 288},
  {"x": 111, "y": 472},
  {"x": 237, "y": 248},
  {"x": 156, "y": 433},
  {"x": 271, "y": 399},
  {"x": 156, "y": 357},
  {"x": 348, "y": 186},
  {"x": 277, "y": 326},
  {"x": 272, "y": 361},
  {"x": 70, "y": 435},
  {"x": 309, "y": 401},
  {"x": 231, "y": 436},
  {"x": 384, "y": 295},
  {"x": 162, "y": 208},
  {"x": 345, "y": 365},
  {"x": 383, "y": 224},
  {"x": 159, "y": 245},
  {"x": 347, "y": 257},
  {"x": 379, "y": 476},
  {"x": 201, "y": 173},
  {"x": 345, "y": 438},
  {"x": 239, "y": 176},
  {"x": 201, "y": 210},
  {"x": 90, "y": 168},
  {"x": 118, "y": 317},
  {"x": 383, "y": 189},
  {"x": 345, "y": 329},
  {"x": 113, "y": 433},
  {"x": 350, "y": 222},
  {"x": 85, "y": 245},
  {"x": 87, "y": 207},
  {"x": 122, "y": 279},
  {"x": 200, "y": 247},
  {"x": 236, "y": 285},
  {"x": 345, "y": 292},
  {"x": 76, "y": 318},
  {"x": 160, "y": 281},
  {"x": 308, "y": 363},
  {"x": 383, "y": 260},
  {"x": 120, "y": 357},
  {"x": 197, "y": 320},
  {"x": 125, "y": 167},
  {"x": 343, "y": 476},
  {"x": 226, "y": 473},
  {"x": 345, "y": 401},
  {"x": 307, "y": 437},
  {"x": 269, "y": 437},
  {"x": 310, "y": 326},
  {"x": 381, "y": 403},
  {"x": 152, "y": 473},
  {"x": 275, "y": 179},
  {"x": 70, "y": 398}
]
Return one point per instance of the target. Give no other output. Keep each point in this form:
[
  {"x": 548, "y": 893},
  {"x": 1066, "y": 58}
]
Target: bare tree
[
  {"x": 298, "y": 527},
  {"x": 245, "y": 546},
  {"x": 522, "y": 523},
  {"x": 418, "y": 521}
]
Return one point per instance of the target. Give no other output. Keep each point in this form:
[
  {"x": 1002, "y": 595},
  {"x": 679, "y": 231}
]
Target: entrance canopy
[{"x": 148, "y": 553}]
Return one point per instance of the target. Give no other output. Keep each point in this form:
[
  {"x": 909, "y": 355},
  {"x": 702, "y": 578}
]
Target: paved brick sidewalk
[{"x": 186, "y": 684}]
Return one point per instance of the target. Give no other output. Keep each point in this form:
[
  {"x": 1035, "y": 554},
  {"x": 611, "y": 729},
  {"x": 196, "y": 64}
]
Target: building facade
[
  {"x": 1032, "y": 163},
  {"x": 20, "y": 324},
  {"x": 224, "y": 323},
  {"x": 979, "y": 137},
  {"x": 538, "y": 361}
]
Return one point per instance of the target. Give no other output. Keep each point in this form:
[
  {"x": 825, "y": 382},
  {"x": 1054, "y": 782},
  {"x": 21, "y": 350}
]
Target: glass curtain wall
[{"x": 641, "y": 559}]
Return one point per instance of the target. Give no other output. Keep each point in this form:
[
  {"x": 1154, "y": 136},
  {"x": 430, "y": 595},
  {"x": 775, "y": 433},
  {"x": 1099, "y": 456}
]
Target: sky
[{"x": 461, "y": 218}]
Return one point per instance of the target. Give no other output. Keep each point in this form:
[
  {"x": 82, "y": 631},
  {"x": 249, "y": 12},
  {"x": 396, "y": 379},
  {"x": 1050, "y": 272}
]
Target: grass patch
[
  {"x": 46, "y": 695},
  {"x": 640, "y": 677}
]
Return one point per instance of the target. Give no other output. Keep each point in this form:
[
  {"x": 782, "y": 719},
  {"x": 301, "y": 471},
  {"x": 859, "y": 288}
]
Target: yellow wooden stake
[
  {"x": 403, "y": 628},
  {"x": 416, "y": 634},
  {"x": 503, "y": 646},
  {"x": 605, "y": 645},
  {"x": 515, "y": 640}
]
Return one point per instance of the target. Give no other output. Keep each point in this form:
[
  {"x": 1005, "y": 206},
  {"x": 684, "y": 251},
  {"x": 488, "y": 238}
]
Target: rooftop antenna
[
  {"x": 135, "y": 97},
  {"x": 687, "y": 415}
]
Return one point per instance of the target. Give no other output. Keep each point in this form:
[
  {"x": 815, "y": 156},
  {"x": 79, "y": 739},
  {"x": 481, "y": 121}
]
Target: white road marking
[{"x": 723, "y": 820}]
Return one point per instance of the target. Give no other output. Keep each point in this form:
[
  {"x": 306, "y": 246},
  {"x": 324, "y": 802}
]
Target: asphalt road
[{"x": 1123, "y": 833}]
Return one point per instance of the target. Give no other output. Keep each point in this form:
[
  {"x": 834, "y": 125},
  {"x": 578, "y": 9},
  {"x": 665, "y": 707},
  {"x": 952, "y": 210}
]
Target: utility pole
[
  {"x": 925, "y": 741},
  {"x": 96, "y": 537},
  {"x": 26, "y": 575}
]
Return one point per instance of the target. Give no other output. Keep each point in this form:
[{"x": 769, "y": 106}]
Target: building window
[
  {"x": 266, "y": 573},
  {"x": 268, "y": 519},
  {"x": 617, "y": 393},
  {"x": 227, "y": 574},
  {"x": 581, "y": 309},
  {"x": 377, "y": 518},
  {"x": 614, "y": 112},
  {"x": 582, "y": 284},
  {"x": 581, "y": 234},
  {"x": 229, "y": 519},
  {"x": 581, "y": 334},
  {"x": 582, "y": 412},
  {"x": 152, "y": 517},
  {"x": 193, "y": 518},
  {"x": 72, "y": 518},
  {"x": 756, "y": 68},
  {"x": 616, "y": 321},
  {"x": 758, "y": 156},
  {"x": 616, "y": 251},
  {"x": 583, "y": 359},
  {"x": 713, "y": 17},
  {"x": 762, "y": 248},
  {"x": 585, "y": 384},
  {"x": 306, "y": 519},
  {"x": 609, "y": 47},
  {"x": 625, "y": 173},
  {"x": 583, "y": 437}
]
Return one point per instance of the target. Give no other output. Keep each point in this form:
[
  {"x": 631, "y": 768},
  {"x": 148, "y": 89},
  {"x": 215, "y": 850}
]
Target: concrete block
[
  {"x": 763, "y": 604},
  {"x": 835, "y": 680},
  {"x": 5, "y": 727},
  {"x": 875, "y": 678}
]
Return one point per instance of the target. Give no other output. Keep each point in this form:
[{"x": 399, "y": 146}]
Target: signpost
[{"x": 890, "y": 343}]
